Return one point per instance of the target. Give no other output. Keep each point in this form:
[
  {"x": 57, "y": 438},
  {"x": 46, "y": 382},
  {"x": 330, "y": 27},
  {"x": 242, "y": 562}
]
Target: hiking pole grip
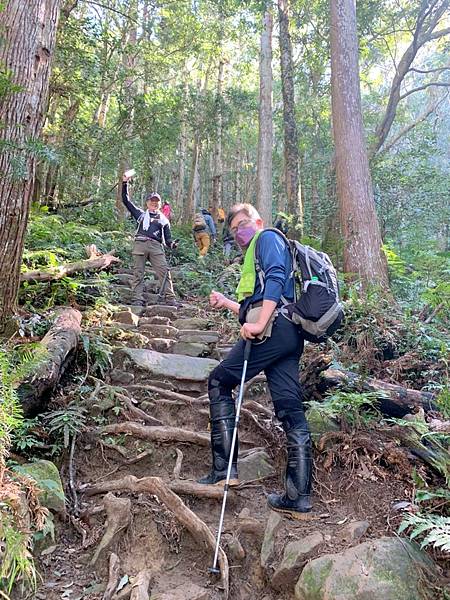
[{"x": 248, "y": 347}]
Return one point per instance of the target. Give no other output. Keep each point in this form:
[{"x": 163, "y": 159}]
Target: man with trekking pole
[
  {"x": 266, "y": 284},
  {"x": 152, "y": 233}
]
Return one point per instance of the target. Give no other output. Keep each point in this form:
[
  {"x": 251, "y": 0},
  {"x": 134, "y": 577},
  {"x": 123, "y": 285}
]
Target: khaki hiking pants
[
  {"x": 152, "y": 251},
  {"x": 203, "y": 241}
]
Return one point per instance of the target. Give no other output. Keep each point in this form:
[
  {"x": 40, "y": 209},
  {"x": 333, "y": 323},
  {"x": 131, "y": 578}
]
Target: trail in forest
[{"x": 126, "y": 529}]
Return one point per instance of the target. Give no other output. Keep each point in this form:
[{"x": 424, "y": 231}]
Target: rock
[
  {"x": 268, "y": 545},
  {"x": 320, "y": 423},
  {"x": 234, "y": 548},
  {"x": 136, "y": 309},
  {"x": 294, "y": 558},
  {"x": 222, "y": 352},
  {"x": 126, "y": 317},
  {"x": 186, "y": 591},
  {"x": 192, "y": 323},
  {"x": 195, "y": 336},
  {"x": 256, "y": 465},
  {"x": 188, "y": 311},
  {"x": 162, "y": 344},
  {"x": 354, "y": 530},
  {"x": 126, "y": 337},
  {"x": 152, "y": 286},
  {"x": 123, "y": 278},
  {"x": 118, "y": 377},
  {"x": 386, "y": 568},
  {"x": 161, "y": 331},
  {"x": 191, "y": 349},
  {"x": 162, "y": 311},
  {"x": 47, "y": 477},
  {"x": 169, "y": 366},
  {"x": 158, "y": 320}
]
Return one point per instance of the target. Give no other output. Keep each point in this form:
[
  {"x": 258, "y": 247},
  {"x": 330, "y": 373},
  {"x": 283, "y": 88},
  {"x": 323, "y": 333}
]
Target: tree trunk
[
  {"x": 362, "y": 249},
  {"x": 265, "y": 139},
  {"x": 217, "y": 189},
  {"x": 291, "y": 154},
  {"x": 28, "y": 41},
  {"x": 189, "y": 205},
  {"x": 182, "y": 147}
]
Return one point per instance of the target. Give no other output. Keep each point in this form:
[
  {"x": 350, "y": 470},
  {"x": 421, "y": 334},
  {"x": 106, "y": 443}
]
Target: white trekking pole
[{"x": 248, "y": 345}]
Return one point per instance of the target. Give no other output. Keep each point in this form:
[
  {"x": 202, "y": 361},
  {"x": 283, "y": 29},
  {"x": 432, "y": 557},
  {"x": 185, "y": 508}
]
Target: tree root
[
  {"x": 113, "y": 576},
  {"x": 198, "y": 529},
  {"x": 157, "y": 434},
  {"x": 145, "y": 485},
  {"x": 118, "y": 517},
  {"x": 140, "y": 585},
  {"x": 137, "y": 412},
  {"x": 166, "y": 393}
]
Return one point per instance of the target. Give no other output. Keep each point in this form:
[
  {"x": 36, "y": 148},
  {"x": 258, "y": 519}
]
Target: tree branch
[{"x": 423, "y": 87}]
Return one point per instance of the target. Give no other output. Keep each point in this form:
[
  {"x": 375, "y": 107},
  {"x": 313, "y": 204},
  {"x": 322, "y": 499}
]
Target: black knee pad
[{"x": 291, "y": 418}]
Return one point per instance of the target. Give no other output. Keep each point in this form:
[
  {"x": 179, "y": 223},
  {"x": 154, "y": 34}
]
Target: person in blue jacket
[{"x": 276, "y": 350}]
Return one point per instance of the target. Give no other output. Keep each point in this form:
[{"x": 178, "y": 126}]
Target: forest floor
[{"x": 361, "y": 484}]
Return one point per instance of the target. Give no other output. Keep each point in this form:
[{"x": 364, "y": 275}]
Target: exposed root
[
  {"x": 140, "y": 585},
  {"x": 166, "y": 393},
  {"x": 177, "y": 467},
  {"x": 118, "y": 517},
  {"x": 113, "y": 576},
  {"x": 158, "y": 434},
  {"x": 136, "y": 412},
  {"x": 198, "y": 529},
  {"x": 146, "y": 485}
]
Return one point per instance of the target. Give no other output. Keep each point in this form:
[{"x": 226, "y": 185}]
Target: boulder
[
  {"x": 255, "y": 465},
  {"x": 387, "y": 568},
  {"x": 119, "y": 377},
  {"x": 162, "y": 344},
  {"x": 195, "y": 336},
  {"x": 295, "y": 555},
  {"x": 268, "y": 545},
  {"x": 354, "y": 531},
  {"x": 126, "y": 317},
  {"x": 192, "y": 323},
  {"x": 191, "y": 349},
  {"x": 48, "y": 480},
  {"x": 174, "y": 366}
]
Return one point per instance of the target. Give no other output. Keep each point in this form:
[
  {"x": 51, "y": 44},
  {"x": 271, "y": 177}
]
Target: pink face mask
[{"x": 245, "y": 235}]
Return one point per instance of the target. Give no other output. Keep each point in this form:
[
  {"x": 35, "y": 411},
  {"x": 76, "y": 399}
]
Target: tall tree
[
  {"x": 265, "y": 138},
  {"x": 26, "y": 52},
  {"x": 217, "y": 184},
  {"x": 291, "y": 154},
  {"x": 360, "y": 227}
]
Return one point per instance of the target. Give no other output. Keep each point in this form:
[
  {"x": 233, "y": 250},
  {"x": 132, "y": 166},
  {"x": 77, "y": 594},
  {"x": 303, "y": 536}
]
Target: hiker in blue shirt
[{"x": 276, "y": 350}]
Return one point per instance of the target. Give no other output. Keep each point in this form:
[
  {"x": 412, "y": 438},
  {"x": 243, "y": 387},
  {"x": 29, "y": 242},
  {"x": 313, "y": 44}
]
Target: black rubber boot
[
  {"x": 296, "y": 501},
  {"x": 222, "y": 416}
]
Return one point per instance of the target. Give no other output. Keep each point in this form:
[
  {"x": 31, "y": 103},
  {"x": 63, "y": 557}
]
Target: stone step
[
  {"x": 197, "y": 323},
  {"x": 161, "y": 331},
  {"x": 182, "y": 370},
  {"x": 198, "y": 336}
]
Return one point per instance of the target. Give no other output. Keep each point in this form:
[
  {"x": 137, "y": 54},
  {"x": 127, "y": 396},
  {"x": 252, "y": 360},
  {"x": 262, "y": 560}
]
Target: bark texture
[
  {"x": 265, "y": 139},
  {"x": 291, "y": 154},
  {"x": 217, "y": 187},
  {"x": 26, "y": 52},
  {"x": 59, "y": 344},
  {"x": 362, "y": 250}
]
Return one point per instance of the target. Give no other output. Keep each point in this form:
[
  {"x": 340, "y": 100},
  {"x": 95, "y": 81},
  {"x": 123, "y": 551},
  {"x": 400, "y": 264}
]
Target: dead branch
[
  {"x": 91, "y": 264},
  {"x": 118, "y": 517},
  {"x": 157, "y": 434},
  {"x": 198, "y": 529},
  {"x": 145, "y": 485}
]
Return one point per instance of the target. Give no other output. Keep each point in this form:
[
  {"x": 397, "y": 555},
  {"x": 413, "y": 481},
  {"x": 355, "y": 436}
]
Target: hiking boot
[
  {"x": 296, "y": 500},
  {"x": 222, "y": 416}
]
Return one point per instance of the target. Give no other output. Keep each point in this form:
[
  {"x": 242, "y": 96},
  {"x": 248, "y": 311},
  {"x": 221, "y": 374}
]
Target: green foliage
[
  {"x": 65, "y": 423},
  {"x": 98, "y": 354},
  {"x": 435, "y": 530},
  {"x": 357, "y": 409}
]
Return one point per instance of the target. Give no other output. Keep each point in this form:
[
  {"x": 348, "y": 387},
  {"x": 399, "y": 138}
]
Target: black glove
[{"x": 174, "y": 244}]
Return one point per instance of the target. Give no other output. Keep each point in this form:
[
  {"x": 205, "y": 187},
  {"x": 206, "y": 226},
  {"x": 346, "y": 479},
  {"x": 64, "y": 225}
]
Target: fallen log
[
  {"x": 157, "y": 433},
  {"x": 197, "y": 528},
  {"x": 91, "y": 264},
  {"x": 58, "y": 345},
  {"x": 394, "y": 400}
]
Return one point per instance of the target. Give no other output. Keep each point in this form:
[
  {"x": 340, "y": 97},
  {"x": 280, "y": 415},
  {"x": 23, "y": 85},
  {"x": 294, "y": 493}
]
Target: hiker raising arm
[{"x": 152, "y": 233}]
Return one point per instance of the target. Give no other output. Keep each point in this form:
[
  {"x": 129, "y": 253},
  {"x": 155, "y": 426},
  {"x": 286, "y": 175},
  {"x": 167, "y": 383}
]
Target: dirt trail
[{"x": 149, "y": 536}]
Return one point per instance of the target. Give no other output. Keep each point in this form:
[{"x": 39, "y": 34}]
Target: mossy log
[{"x": 97, "y": 263}]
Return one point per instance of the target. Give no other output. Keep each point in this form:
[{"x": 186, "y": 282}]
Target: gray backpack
[{"x": 317, "y": 310}]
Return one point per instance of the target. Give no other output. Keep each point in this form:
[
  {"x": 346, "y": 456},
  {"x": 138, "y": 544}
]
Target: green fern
[
  {"x": 434, "y": 528},
  {"x": 358, "y": 409}
]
